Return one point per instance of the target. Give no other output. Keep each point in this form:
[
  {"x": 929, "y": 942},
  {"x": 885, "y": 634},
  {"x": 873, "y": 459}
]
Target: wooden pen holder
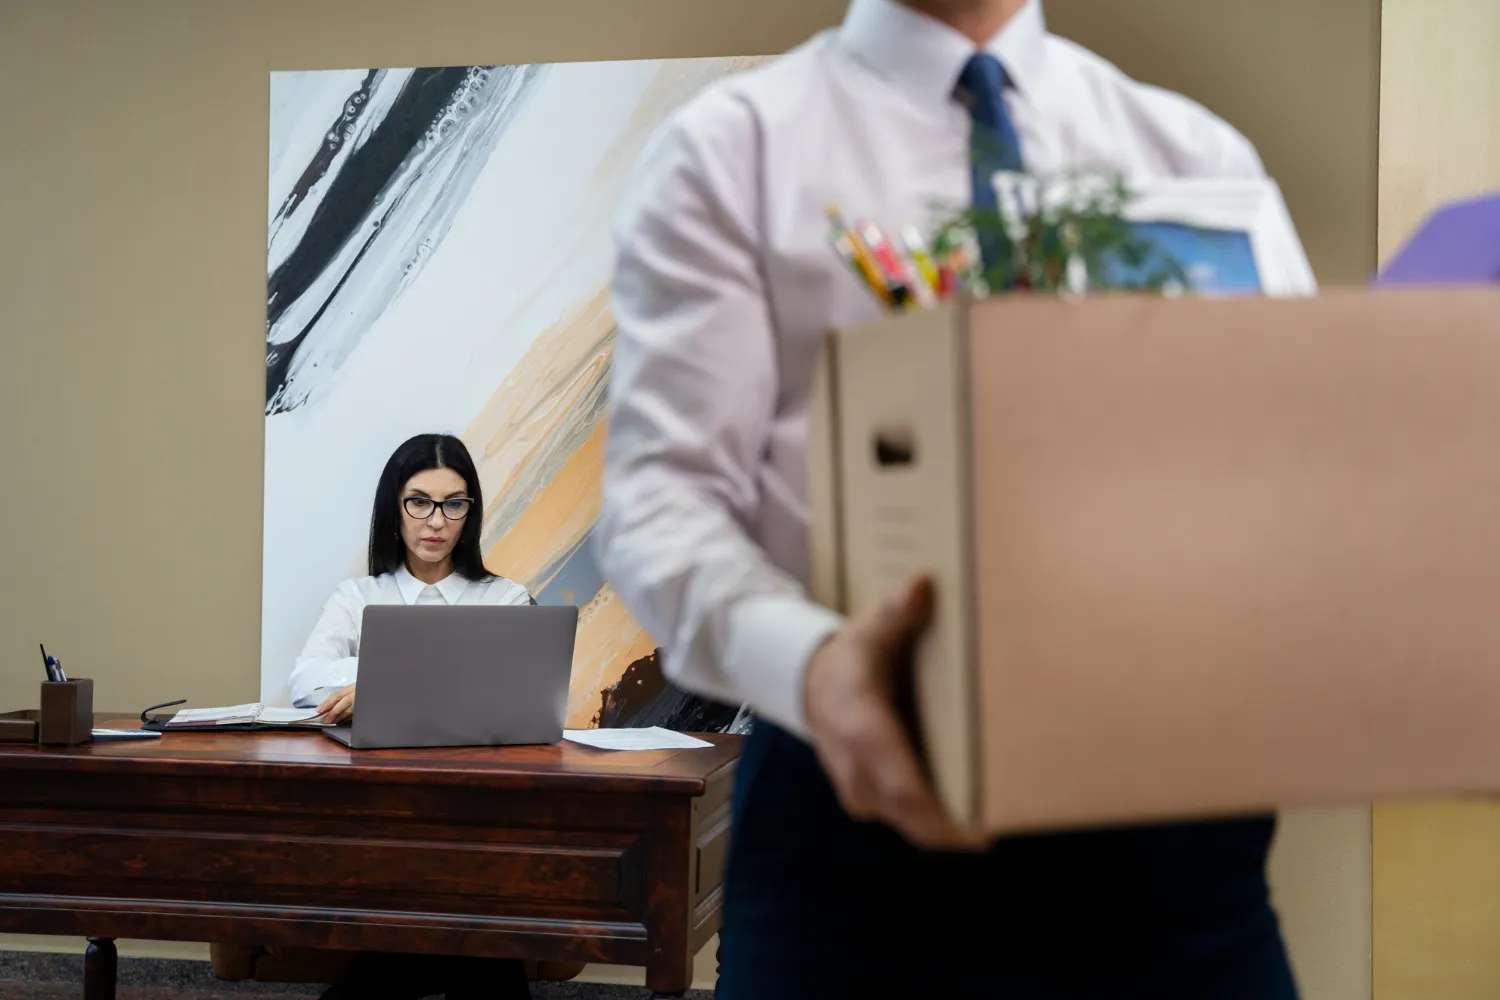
[{"x": 67, "y": 715}]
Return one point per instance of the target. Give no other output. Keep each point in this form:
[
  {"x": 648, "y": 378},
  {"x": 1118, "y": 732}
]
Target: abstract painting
[{"x": 438, "y": 259}]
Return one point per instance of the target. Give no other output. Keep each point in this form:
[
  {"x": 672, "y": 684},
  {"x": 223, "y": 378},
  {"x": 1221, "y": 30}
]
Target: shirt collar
[
  {"x": 451, "y": 586},
  {"x": 925, "y": 56}
]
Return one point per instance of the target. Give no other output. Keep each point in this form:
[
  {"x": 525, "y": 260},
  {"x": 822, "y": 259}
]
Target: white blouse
[{"x": 330, "y": 660}]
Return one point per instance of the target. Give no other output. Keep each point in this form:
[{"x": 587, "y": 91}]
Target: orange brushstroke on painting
[
  {"x": 559, "y": 516},
  {"x": 540, "y": 454},
  {"x": 540, "y": 395},
  {"x": 542, "y": 463},
  {"x": 609, "y": 640}
]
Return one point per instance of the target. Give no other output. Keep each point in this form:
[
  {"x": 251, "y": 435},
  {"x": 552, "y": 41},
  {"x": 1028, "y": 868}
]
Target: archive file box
[{"x": 1193, "y": 557}]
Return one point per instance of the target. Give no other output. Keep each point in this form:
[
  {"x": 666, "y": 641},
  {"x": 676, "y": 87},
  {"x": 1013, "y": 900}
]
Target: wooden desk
[{"x": 554, "y": 853}]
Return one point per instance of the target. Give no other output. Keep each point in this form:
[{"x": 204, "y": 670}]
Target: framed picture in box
[{"x": 1233, "y": 237}]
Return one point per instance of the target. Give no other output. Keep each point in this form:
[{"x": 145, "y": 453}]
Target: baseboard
[{"x": 188, "y": 951}]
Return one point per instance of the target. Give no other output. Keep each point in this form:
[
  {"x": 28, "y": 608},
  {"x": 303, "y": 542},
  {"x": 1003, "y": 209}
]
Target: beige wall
[
  {"x": 132, "y": 295},
  {"x": 1299, "y": 77},
  {"x": 1320, "y": 883},
  {"x": 1437, "y": 865}
]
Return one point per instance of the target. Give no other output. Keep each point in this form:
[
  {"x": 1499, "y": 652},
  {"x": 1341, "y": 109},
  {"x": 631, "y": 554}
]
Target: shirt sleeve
[
  {"x": 1196, "y": 142},
  {"x": 692, "y": 396},
  {"x": 329, "y": 660},
  {"x": 1238, "y": 157}
]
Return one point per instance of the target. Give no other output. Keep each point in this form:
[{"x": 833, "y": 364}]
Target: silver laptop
[{"x": 470, "y": 675}]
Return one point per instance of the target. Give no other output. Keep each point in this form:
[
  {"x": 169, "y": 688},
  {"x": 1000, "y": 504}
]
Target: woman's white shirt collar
[{"x": 451, "y": 587}]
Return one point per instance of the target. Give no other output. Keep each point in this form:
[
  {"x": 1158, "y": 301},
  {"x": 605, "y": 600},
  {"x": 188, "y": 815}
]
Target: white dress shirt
[
  {"x": 330, "y": 660},
  {"x": 726, "y": 283}
]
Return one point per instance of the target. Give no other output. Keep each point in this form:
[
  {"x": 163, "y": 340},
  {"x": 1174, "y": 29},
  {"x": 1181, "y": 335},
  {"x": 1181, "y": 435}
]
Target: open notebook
[{"x": 238, "y": 718}]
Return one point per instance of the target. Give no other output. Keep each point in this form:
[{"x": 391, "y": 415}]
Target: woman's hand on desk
[{"x": 339, "y": 706}]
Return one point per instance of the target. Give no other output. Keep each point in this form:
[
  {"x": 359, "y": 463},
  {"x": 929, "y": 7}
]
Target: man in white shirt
[{"x": 724, "y": 287}]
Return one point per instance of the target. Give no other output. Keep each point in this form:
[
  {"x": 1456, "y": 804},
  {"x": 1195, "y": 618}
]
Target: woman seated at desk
[{"x": 424, "y": 549}]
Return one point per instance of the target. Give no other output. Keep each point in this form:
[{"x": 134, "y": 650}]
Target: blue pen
[{"x": 47, "y": 662}]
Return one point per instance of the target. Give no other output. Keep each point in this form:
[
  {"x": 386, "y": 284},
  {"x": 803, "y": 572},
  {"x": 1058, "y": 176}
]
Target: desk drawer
[{"x": 381, "y": 873}]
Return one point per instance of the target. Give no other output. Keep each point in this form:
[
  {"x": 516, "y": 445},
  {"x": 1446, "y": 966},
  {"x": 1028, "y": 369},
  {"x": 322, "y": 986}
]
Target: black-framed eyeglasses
[{"x": 454, "y": 508}]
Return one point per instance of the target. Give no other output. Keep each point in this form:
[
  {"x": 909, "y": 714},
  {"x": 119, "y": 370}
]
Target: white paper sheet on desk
[
  {"x": 239, "y": 715},
  {"x": 233, "y": 714},
  {"x": 655, "y": 738},
  {"x": 287, "y": 716}
]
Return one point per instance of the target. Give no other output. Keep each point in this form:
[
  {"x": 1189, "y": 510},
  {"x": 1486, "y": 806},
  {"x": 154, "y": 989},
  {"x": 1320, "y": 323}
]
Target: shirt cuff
[{"x": 773, "y": 637}]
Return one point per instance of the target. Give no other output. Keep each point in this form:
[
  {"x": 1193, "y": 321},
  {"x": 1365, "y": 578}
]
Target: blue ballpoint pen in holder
[{"x": 50, "y": 665}]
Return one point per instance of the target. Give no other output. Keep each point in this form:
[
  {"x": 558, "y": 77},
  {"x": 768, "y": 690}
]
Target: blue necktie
[{"x": 994, "y": 145}]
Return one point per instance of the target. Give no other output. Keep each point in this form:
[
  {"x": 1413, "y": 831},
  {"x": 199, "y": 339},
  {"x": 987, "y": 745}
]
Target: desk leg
[
  {"x": 669, "y": 979},
  {"x": 100, "y": 963},
  {"x": 668, "y": 985},
  {"x": 669, "y": 967}
]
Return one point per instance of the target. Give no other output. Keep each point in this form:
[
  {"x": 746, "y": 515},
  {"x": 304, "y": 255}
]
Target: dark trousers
[{"x": 819, "y": 906}]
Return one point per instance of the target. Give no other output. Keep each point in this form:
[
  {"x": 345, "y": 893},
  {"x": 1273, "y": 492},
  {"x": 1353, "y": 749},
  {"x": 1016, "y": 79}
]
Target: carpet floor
[{"x": 35, "y": 976}]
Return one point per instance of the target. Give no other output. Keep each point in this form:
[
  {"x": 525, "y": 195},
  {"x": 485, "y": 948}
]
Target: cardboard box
[{"x": 1194, "y": 558}]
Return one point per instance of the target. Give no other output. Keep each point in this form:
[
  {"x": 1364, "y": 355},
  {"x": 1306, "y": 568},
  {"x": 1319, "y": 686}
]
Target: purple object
[{"x": 1459, "y": 244}]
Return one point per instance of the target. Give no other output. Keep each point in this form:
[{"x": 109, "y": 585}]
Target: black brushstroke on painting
[
  {"x": 337, "y": 134},
  {"x": 369, "y": 170},
  {"x": 644, "y": 697}
]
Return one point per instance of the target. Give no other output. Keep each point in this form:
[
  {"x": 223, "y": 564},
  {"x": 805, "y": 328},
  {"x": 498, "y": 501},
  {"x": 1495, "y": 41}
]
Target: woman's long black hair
[{"x": 423, "y": 452}]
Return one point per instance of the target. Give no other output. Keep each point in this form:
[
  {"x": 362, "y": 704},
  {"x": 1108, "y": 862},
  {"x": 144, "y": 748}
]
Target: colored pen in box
[
  {"x": 947, "y": 278},
  {"x": 853, "y": 249},
  {"x": 845, "y": 247},
  {"x": 904, "y": 282},
  {"x": 917, "y": 251},
  {"x": 916, "y": 267},
  {"x": 948, "y": 257},
  {"x": 959, "y": 262},
  {"x": 946, "y": 283}
]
